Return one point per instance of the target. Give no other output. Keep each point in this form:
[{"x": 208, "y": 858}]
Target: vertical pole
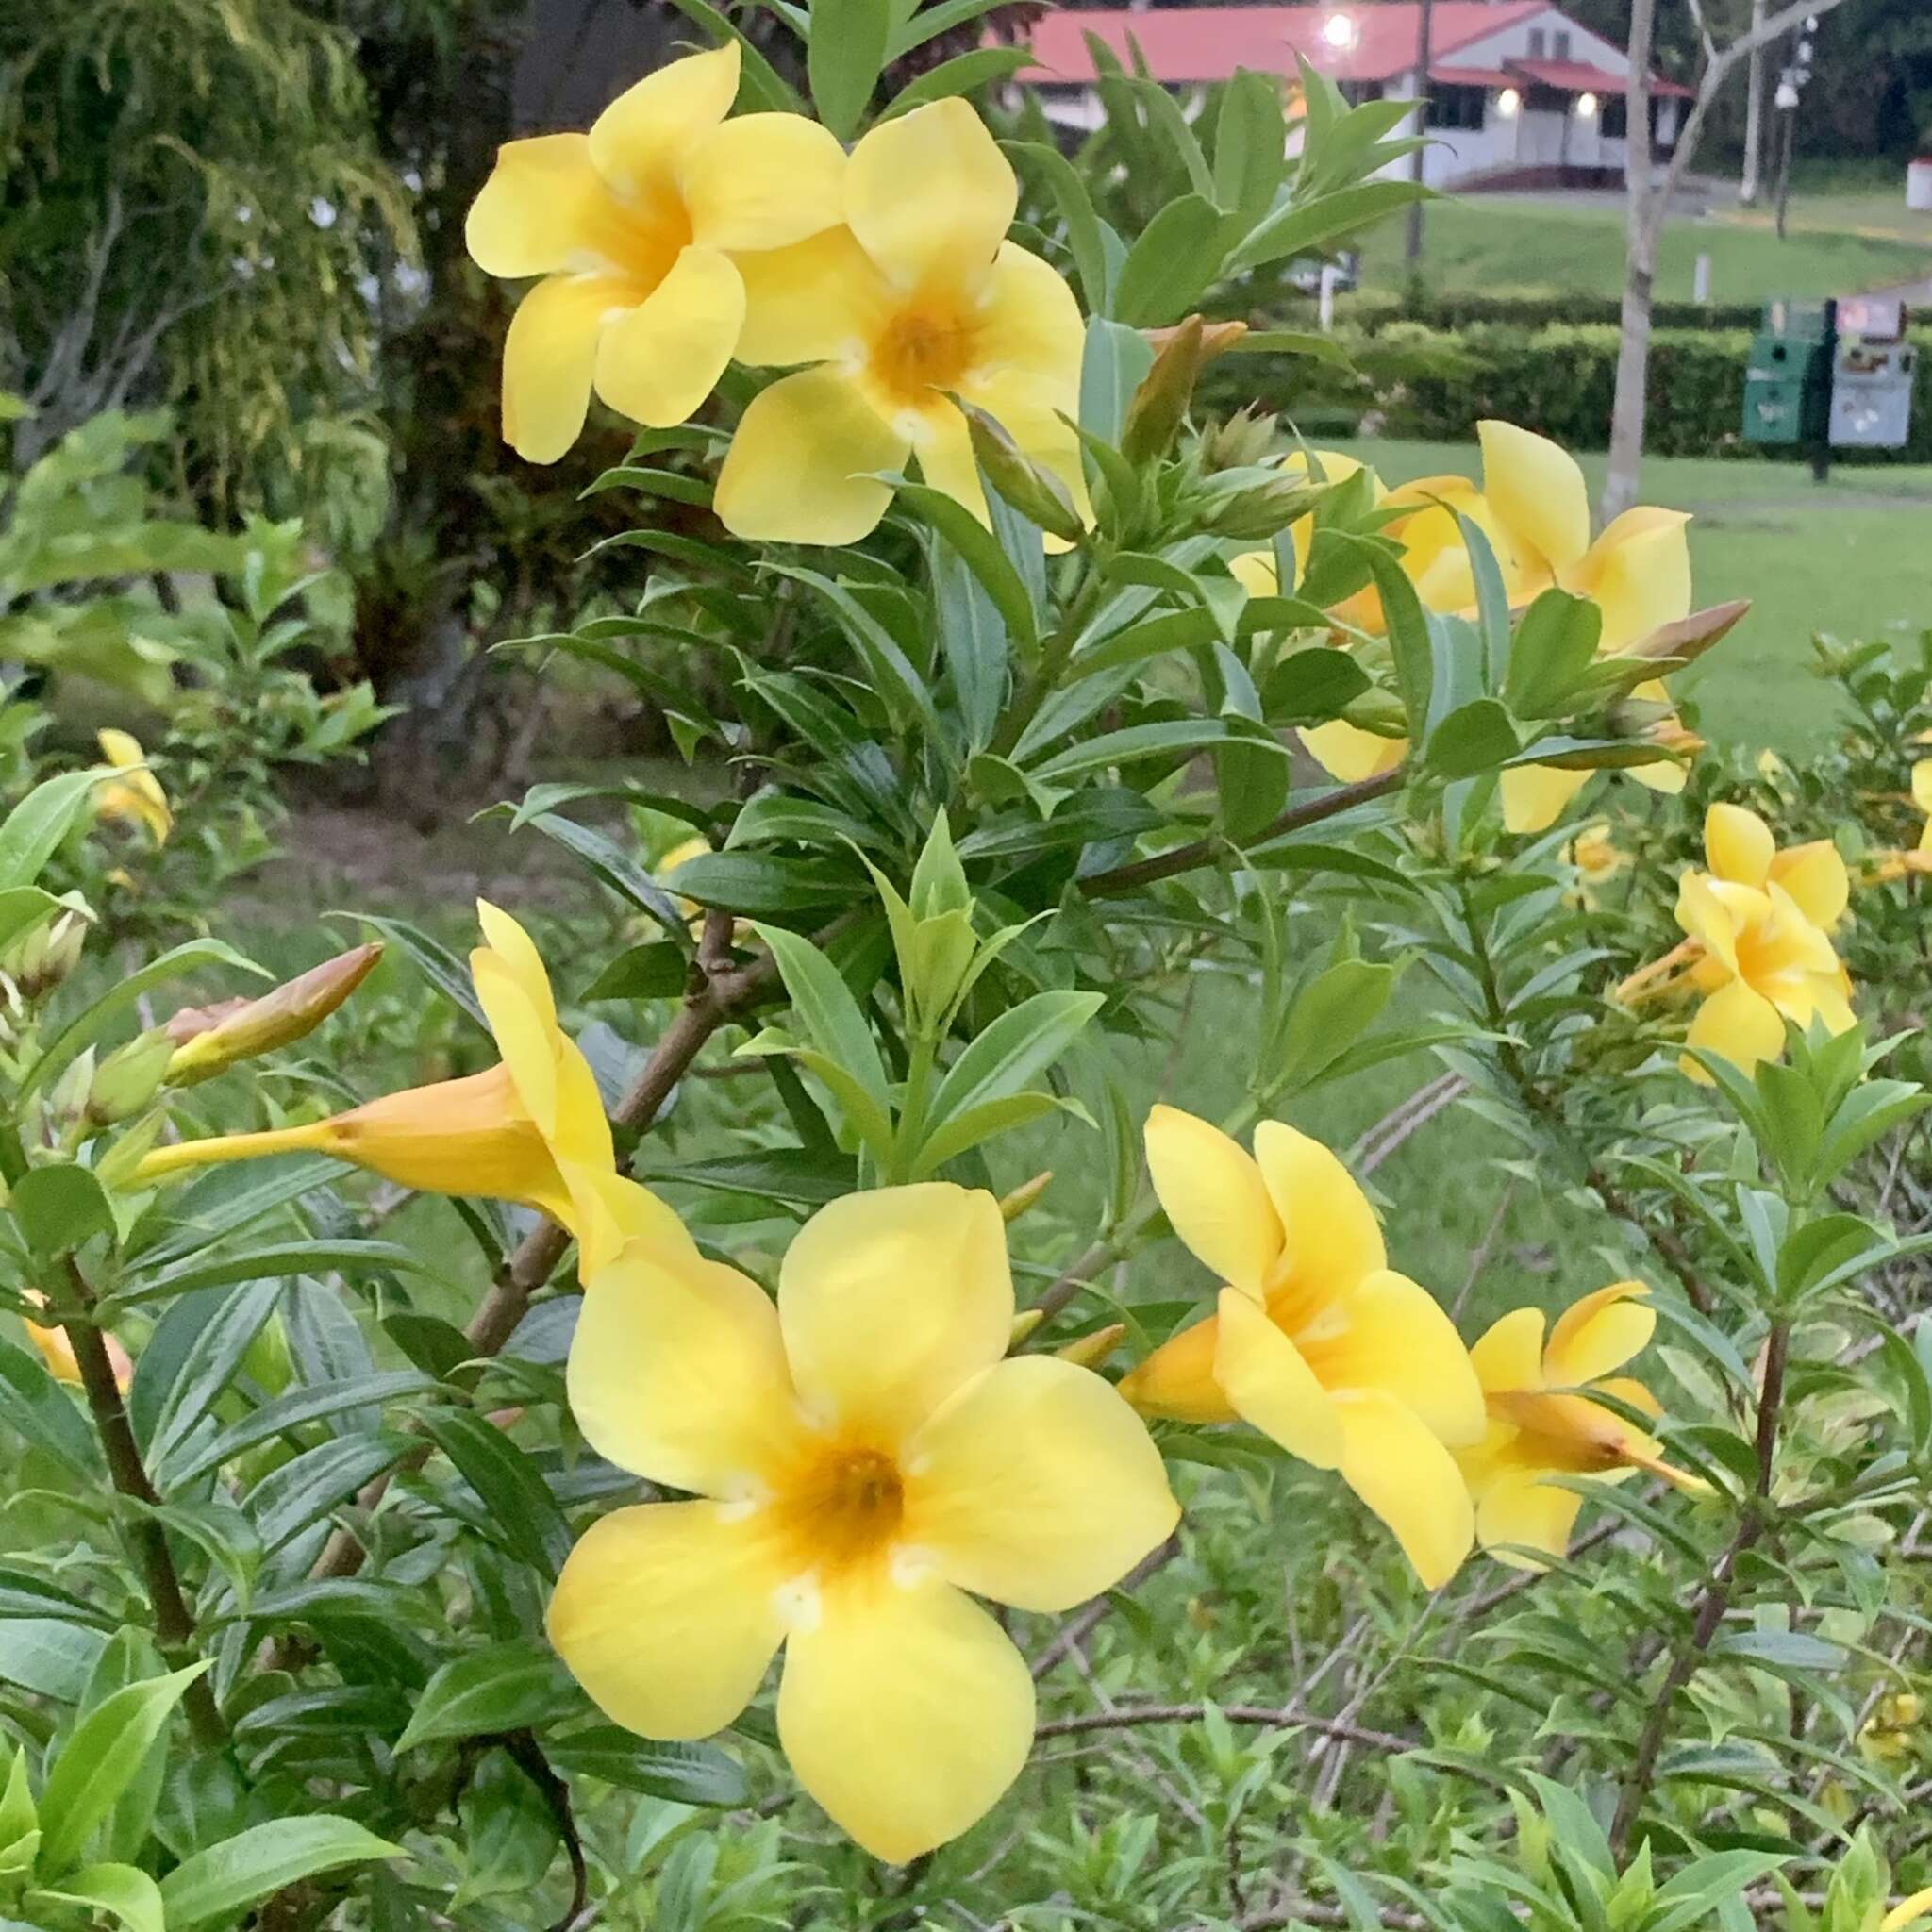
[
  {"x": 1700, "y": 279},
  {"x": 1754, "y": 109},
  {"x": 1413, "y": 252},
  {"x": 1326, "y": 310}
]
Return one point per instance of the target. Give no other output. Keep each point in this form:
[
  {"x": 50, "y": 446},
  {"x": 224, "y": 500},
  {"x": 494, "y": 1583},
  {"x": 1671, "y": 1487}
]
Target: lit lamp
[
  {"x": 1339, "y": 32},
  {"x": 1507, "y": 102},
  {"x": 1586, "y": 106}
]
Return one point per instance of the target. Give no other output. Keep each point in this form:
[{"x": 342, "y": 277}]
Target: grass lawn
[
  {"x": 1849, "y": 556},
  {"x": 1837, "y": 245}
]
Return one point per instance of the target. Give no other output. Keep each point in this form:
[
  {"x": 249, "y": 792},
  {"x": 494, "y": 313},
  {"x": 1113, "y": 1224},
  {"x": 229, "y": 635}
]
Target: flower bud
[
  {"x": 1166, "y": 392},
  {"x": 1089, "y": 1351},
  {"x": 14, "y": 1020},
  {"x": 1245, "y": 441},
  {"x": 1262, "y": 508},
  {"x": 1024, "y": 1323},
  {"x": 117, "y": 1167},
  {"x": 129, "y": 1078},
  {"x": 208, "y": 1040},
  {"x": 1023, "y": 1198},
  {"x": 38, "y": 962},
  {"x": 1034, "y": 491}
]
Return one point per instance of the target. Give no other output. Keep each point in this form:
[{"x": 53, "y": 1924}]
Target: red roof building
[{"x": 1517, "y": 90}]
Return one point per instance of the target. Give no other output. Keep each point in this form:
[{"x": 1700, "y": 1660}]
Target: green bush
[{"x": 1528, "y": 308}]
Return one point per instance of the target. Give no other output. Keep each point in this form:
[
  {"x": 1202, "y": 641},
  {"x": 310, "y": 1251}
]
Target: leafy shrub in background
[{"x": 454, "y": 1424}]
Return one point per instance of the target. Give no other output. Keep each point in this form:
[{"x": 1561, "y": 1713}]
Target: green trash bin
[{"x": 1788, "y": 379}]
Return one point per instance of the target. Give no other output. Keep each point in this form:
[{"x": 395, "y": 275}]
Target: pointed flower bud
[
  {"x": 1089, "y": 1351},
  {"x": 208, "y": 1040},
  {"x": 129, "y": 1078},
  {"x": 1032, "y": 488},
  {"x": 40, "y": 961},
  {"x": 1023, "y": 1198}
]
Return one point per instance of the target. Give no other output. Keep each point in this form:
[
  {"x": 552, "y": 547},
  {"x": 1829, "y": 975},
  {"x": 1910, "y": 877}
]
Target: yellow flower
[
  {"x": 863, "y": 1457},
  {"x": 137, "y": 798},
  {"x": 1739, "y": 848},
  {"x": 1315, "y": 1342},
  {"x": 531, "y": 1129},
  {"x": 634, "y": 228},
  {"x": 1597, "y": 857},
  {"x": 1889, "y": 1733},
  {"x": 56, "y": 1351},
  {"x": 1539, "y": 1428},
  {"x": 917, "y": 298}
]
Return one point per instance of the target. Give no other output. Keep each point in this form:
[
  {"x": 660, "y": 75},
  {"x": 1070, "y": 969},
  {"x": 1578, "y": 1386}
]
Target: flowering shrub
[{"x": 464, "y": 1557}]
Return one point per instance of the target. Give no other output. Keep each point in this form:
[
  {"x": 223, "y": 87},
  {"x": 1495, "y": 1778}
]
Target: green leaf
[
  {"x": 683, "y": 1774},
  {"x": 522, "y": 1512},
  {"x": 1473, "y": 739},
  {"x": 654, "y": 971},
  {"x": 39, "y": 1409},
  {"x": 125, "y": 1892},
  {"x": 1114, "y": 363},
  {"x": 299, "y": 1408},
  {"x": 508, "y": 1686},
  {"x": 1022, "y": 1042},
  {"x": 226, "y": 1878},
  {"x": 973, "y": 639},
  {"x": 281, "y": 1261},
  {"x": 1250, "y": 145},
  {"x": 803, "y": 1175},
  {"x": 1301, "y": 228},
  {"x": 763, "y": 884},
  {"x": 90, "y": 1024},
  {"x": 212, "y": 1363},
  {"x": 1555, "y": 644},
  {"x": 53, "y": 1658},
  {"x": 964, "y": 73},
  {"x": 1178, "y": 254},
  {"x": 431, "y": 958},
  {"x": 844, "y": 52},
  {"x": 979, "y": 549},
  {"x": 58, "y": 1208},
  {"x": 99, "y": 1760},
  {"x": 21, "y": 908},
  {"x": 967, "y": 1128},
  {"x": 616, "y": 867},
  {"x": 1075, "y": 207},
  {"x": 288, "y": 1500},
  {"x": 1329, "y": 1014},
  {"x": 37, "y": 825},
  {"x": 827, "y": 1009}
]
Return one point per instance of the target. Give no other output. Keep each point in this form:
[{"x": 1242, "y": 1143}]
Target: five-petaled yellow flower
[
  {"x": 1760, "y": 949},
  {"x": 635, "y": 227},
  {"x": 1315, "y": 1341},
  {"x": 918, "y": 297},
  {"x": 1542, "y": 1424},
  {"x": 530, "y": 1129},
  {"x": 862, "y": 1458},
  {"x": 135, "y": 797}
]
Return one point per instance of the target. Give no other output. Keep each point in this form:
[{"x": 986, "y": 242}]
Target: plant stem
[
  {"x": 1167, "y": 865},
  {"x": 1716, "y": 1598},
  {"x": 174, "y": 1621}
]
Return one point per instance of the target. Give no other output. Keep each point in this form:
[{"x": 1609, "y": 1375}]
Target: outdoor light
[
  {"x": 1787, "y": 96},
  {"x": 1507, "y": 102},
  {"x": 1338, "y": 31},
  {"x": 1586, "y": 106}
]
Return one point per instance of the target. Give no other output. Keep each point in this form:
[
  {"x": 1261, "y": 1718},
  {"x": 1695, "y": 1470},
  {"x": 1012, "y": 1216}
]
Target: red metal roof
[
  {"x": 1472, "y": 76},
  {"x": 1569, "y": 76},
  {"x": 1195, "y": 44}
]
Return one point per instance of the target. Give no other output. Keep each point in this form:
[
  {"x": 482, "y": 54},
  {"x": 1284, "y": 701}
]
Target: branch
[
  {"x": 174, "y": 1621},
  {"x": 1167, "y": 865}
]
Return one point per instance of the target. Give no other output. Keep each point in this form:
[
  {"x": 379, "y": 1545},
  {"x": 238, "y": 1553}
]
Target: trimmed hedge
[
  {"x": 1437, "y": 384},
  {"x": 1528, "y": 308}
]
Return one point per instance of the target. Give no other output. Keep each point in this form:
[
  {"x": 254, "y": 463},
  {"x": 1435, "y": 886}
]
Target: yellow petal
[
  {"x": 1405, "y": 1474},
  {"x": 1739, "y": 1026},
  {"x": 763, "y": 181},
  {"x": 1908, "y": 1911},
  {"x": 1178, "y": 1381},
  {"x": 548, "y": 358},
  {"x": 123, "y": 750},
  {"x": 1332, "y": 1240},
  {"x": 905, "y": 1712},
  {"x": 1037, "y": 1486},
  {"x": 1029, "y": 323},
  {"x": 1922, "y": 784},
  {"x": 639, "y": 140},
  {"x": 528, "y": 1046},
  {"x": 1637, "y": 573},
  {"x": 1666, "y": 775},
  {"x": 1706, "y": 914},
  {"x": 931, "y": 195},
  {"x": 800, "y": 469},
  {"x": 818, "y": 300},
  {"x": 667, "y": 1614},
  {"x": 1599, "y": 1333},
  {"x": 656, "y": 362},
  {"x": 1536, "y": 796},
  {"x": 1814, "y": 874},
  {"x": 609, "y": 1211},
  {"x": 1400, "y": 1341},
  {"x": 1739, "y": 845},
  {"x": 891, "y": 1300},
  {"x": 1536, "y": 492},
  {"x": 1269, "y": 1385},
  {"x": 1520, "y": 1508},
  {"x": 545, "y": 207},
  {"x": 677, "y": 1373},
  {"x": 1348, "y": 753},
  {"x": 1214, "y": 1197},
  {"x": 1511, "y": 1353},
  {"x": 1254, "y": 571},
  {"x": 504, "y": 936}
]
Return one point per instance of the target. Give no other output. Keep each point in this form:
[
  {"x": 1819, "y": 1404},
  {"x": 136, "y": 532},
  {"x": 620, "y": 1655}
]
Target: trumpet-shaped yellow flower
[
  {"x": 135, "y": 797},
  {"x": 531, "y": 1129},
  {"x": 1541, "y": 1423},
  {"x": 917, "y": 298},
  {"x": 1314, "y": 1340},
  {"x": 1758, "y": 946},
  {"x": 863, "y": 1457},
  {"x": 635, "y": 227}
]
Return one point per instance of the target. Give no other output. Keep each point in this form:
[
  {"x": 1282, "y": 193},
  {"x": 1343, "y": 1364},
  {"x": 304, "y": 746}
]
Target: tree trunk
[
  {"x": 1643, "y": 220},
  {"x": 1748, "y": 188}
]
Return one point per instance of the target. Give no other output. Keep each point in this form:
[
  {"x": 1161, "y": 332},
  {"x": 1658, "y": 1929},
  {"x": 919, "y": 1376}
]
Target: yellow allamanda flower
[
  {"x": 634, "y": 228},
  {"x": 56, "y": 1351},
  {"x": 1541, "y": 1423},
  {"x": 918, "y": 297},
  {"x": 1315, "y": 1341},
  {"x": 135, "y": 797},
  {"x": 1597, "y": 857},
  {"x": 1759, "y": 947},
  {"x": 531, "y": 1129},
  {"x": 1897, "y": 865},
  {"x": 862, "y": 1458}
]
